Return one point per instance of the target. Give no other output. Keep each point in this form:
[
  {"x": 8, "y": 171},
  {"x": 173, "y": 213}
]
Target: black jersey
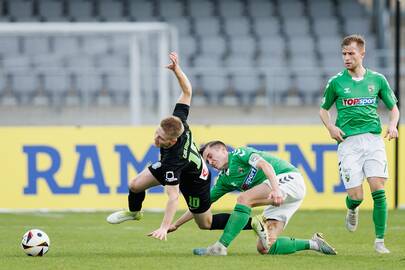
[{"x": 182, "y": 158}]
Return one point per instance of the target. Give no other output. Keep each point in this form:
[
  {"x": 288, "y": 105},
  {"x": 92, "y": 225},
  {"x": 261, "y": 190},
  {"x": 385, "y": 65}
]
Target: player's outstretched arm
[
  {"x": 171, "y": 207},
  {"x": 186, "y": 217},
  {"x": 392, "y": 131},
  {"x": 185, "y": 97}
]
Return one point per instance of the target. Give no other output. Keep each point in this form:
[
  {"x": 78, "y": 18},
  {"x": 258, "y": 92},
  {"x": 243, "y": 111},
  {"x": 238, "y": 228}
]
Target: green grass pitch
[{"x": 86, "y": 241}]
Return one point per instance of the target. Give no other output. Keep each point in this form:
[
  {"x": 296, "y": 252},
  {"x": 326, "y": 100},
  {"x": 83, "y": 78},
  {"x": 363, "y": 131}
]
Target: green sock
[
  {"x": 380, "y": 213},
  {"x": 237, "y": 221},
  {"x": 286, "y": 245},
  {"x": 352, "y": 204}
]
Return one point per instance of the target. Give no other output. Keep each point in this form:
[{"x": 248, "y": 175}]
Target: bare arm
[
  {"x": 268, "y": 170},
  {"x": 392, "y": 131},
  {"x": 335, "y": 132},
  {"x": 170, "y": 211},
  {"x": 185, "y": 97},
  {"x": 186, "y": 217}
]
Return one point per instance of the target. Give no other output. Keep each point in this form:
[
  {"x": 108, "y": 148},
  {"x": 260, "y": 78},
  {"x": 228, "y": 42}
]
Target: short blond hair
[
  {"x": 358, "y": 39},
  {"x": 172, "y": 126}
]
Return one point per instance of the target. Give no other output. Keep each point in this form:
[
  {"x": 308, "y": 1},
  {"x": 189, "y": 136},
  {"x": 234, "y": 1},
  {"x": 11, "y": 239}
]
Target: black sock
[
  {"x": 219, "y": 222},
  {"x": 135, "y": 200}
]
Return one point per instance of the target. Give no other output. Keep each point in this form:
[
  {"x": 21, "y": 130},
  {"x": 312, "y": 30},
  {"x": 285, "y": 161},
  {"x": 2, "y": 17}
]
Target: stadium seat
[
  {"x": 272, "y": 45},
  {"x": 303, "y": 62},
  {"x": 357, "y": 25},
  {"x": 266, "y": 27},
  {"x": 51, "y": 10},
  {"x": 188, "y": 48},
  {"x": 326, "y": 27},
  {"x": 182, "y": 24},
  {"x": 24, "y": 83},
  {"x": 320, "y": 8},
  {"x": 297, "y": 27},
  {"x": 207, "y": 61},
  {"x": 79, "y": 63},
  {"x": 200, "y": 8},
  {"x": 65, "y": 45},
  {"x": 243, "y": 45},
  {"x": 207, "y": 26},
  {"x": 21, "y": 10},
  {"x": 230, "y": 8},
  {"x": 142, "y": 10},
  {"x": 110, "y": 10},
  {"x": 81, "y": 11},
  {"x": 10, "y": 45},
  {"x": 238, "y": 61},
  {"x": 16, "y": 63},
  {"x": 214, "y": 86},
  {"x": 56, "y": 83},
  {"x": 248, "y": 85},
  {"x": 351, "y": 9},
  {"x": 291, "y": 9},
  {"x": 118, "y": 84},
  {"x": 301, "y": 45},
  {"x": 112, "y": 63},
  {"x": 47, "y": 63},
  {"x": 92, "y": 45},
  {"x": 311, "y": 85},
  {"x": 237, "y": 26},
  {"x": 213, "y": 45},
  {"x": 271, "y": 61},
  {"x": 260, "y": 8},
  {"x": 170, "y": 9},
  {"x": 36, "y": 45},
  {"x": 329, "y": 45}
]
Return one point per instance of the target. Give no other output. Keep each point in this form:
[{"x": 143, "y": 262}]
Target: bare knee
[
  {"x": 243, "y": 199},
  {"x": 204, "y": 226},
  {"x": 132, "y": 186}
]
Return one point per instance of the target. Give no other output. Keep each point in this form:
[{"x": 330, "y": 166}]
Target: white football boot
[
  {"x": 380, "y": 247},
  {"x": 324, "y": 247},
  {"x": 352, "y": 219},
  {"x": 124, "y": 215},
  {"x": 259, "y": 228},
  {"x": 216, "y": 249}
]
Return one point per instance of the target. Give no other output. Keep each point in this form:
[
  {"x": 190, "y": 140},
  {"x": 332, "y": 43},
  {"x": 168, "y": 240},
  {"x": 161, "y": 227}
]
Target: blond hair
[
  {"x": 358, "y": 39},
  {"x": 172, "y": 126}
]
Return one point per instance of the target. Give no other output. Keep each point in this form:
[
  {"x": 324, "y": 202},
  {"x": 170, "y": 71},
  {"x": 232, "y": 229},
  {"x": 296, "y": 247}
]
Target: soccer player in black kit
[{"x": 181, "y": 168}]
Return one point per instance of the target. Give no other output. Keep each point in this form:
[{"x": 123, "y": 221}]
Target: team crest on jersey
[
  {"x": 371, "y": 88},
  {"x": 346, "y": 90},
  {"x": 240, "y": 170}
]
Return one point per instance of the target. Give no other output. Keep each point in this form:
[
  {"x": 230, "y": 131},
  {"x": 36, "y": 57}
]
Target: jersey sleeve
[
  {"x": 181, "y": 111},
  {"x": 329, "y": 95},
  {"x": 244, "y": 154},
  {"x": 219, "y": 190},
  {"x": 386, "y": 94}
]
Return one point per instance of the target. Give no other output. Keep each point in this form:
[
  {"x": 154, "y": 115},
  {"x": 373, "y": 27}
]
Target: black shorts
[{"x": 196, "y": 191}]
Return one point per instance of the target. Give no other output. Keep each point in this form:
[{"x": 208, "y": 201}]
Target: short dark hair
[
  {"x": 360, "y": 41},
  {"x": 211, "y": 144}
]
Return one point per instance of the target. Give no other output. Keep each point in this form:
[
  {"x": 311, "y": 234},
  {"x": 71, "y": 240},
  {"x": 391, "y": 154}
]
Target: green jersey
[
  {"x": 241, "y": 174},
  {"x": 357, "y": 101}
]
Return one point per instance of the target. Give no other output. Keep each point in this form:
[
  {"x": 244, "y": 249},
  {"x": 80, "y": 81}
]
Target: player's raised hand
[
  {"x": 174, "y": 58},
  {"x": 336, "y": 133},
  {"x": 391, "y": 133},
  {"x": 160, "y": 234}
]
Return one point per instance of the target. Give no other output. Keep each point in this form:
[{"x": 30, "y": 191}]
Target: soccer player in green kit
[
  {"x": 361, "y": 150},
  {"x": 264, "y": 180}
]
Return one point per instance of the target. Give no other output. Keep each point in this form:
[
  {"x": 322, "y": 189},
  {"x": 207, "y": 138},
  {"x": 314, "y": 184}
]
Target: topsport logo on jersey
[{"x": 359, "y": 101}]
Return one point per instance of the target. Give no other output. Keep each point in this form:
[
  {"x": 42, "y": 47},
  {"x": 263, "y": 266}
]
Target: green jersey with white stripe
[
  {"x": 357, "y": 101},
  {"x": 241, "y": 174}
]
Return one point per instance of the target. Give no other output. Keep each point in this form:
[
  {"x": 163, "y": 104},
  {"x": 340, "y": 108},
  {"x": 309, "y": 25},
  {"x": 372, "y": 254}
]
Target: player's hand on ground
[
  {"x": 391, "y": 133},
  {"x": 172, "y": 228},
  {"x": 174, "y": 58},
  {"x": 160, "y": 234},
  {"x": 277, "y": 197},
  {"x": 336, "y": 133}
]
